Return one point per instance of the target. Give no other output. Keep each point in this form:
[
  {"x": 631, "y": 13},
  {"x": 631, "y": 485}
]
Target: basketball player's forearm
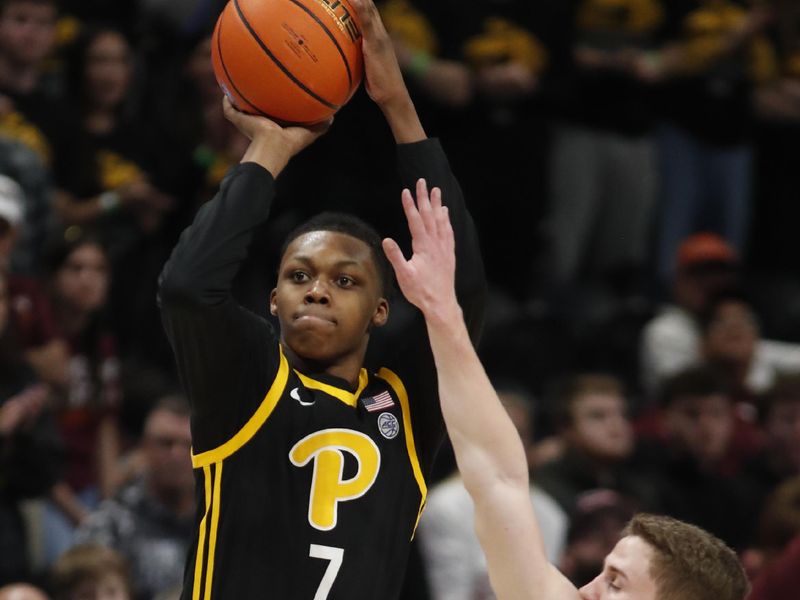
[
  {"x": 403, "y": 120},
  {"x": 486, "y": 444},
  {"x": 493, "y": 465},
  {"x": 427, "y": 160},
  {"x": 210, "y": 251}
]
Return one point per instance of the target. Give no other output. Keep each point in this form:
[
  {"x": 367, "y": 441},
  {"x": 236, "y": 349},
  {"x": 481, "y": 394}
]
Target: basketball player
[
  {"x": 310, "y": 468},
  {"x": 658, "y": 558}
]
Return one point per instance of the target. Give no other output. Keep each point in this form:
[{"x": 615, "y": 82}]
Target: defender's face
[
  {"x": 328, "y": 296},
  {"x": 626, "y": 574}
]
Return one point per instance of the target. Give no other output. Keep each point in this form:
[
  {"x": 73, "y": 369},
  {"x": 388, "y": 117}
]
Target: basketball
[{"x": 293, "y": 61}]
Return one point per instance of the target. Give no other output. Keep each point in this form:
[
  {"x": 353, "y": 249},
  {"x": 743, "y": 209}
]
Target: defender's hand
[{"x": 427, "y": 280}]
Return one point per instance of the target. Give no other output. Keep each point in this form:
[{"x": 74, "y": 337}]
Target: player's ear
[
  {"x": 273, "y": 305},
  {"x": 381, "y": 313}
]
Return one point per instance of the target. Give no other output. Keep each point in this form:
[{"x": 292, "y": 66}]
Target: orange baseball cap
[{"x": 705, "y": 247}]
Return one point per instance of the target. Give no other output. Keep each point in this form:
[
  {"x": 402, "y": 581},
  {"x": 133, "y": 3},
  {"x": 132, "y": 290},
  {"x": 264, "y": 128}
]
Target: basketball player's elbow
[{"x": 175, "y": 288}]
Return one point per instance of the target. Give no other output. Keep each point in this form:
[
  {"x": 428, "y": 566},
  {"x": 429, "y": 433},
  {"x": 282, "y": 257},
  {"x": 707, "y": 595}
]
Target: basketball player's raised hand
[
  {"x": 427, "y": 279},
  {"x": 271, "y": 145},
  {"x": 383, "y": 78},
  {"x": 384, "y": 81}
]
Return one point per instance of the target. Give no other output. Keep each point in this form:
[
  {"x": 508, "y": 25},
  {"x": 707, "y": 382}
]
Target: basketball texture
[{"x": 294, "y": 61}]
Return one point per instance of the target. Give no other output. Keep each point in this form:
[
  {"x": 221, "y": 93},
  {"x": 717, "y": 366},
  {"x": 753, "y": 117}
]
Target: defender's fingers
[
  {"x": 424, "y": 207},
  {"x": 415, "y": 224},
  {"x": 446, "y": 230},
  {"x": 436, "y": 209},
  {"x": 394, "y": 254}
]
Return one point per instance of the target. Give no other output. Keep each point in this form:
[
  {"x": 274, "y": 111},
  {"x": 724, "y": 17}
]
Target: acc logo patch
[{"x": 388, "y": 425}]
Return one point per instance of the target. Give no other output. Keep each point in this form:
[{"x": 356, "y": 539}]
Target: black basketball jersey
[{"x": 307, "y": 489}]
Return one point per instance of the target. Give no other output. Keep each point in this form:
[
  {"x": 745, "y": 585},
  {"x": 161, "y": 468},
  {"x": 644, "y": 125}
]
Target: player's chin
[{"x": 311, "y": 346}]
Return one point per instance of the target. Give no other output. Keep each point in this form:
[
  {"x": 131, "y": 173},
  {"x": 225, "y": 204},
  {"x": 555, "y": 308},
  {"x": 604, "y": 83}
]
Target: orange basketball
[{"x": 294, "y": 61}]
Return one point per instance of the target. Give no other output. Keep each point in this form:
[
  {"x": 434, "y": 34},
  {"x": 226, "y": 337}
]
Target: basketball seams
[
  {"x": 278, "y": 63},
  {"x": 331, "y": 36}
]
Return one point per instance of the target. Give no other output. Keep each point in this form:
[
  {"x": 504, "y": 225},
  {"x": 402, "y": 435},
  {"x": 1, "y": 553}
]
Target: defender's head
[
  {"x": 333, "y": 283},
  {"x": 660, "y": 558}
]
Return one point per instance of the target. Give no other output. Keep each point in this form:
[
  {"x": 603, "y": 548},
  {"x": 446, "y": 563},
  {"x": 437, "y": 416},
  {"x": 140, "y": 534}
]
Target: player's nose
[{"x": 317, "y": 293}]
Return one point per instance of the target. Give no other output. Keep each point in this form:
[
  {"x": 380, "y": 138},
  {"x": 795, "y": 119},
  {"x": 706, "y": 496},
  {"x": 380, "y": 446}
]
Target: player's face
[
  {"x": 328, "y": 297},
  {"x": 626, "y": 574}
]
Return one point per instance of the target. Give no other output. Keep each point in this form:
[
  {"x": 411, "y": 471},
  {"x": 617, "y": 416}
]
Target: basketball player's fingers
[
  {"x": 415, "y": 224},
  {"x": 227, "y": 108},
  {"x": 366, "y": 11}
]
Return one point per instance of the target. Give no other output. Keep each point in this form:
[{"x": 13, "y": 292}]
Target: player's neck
[{"x": 346, "y": 367}]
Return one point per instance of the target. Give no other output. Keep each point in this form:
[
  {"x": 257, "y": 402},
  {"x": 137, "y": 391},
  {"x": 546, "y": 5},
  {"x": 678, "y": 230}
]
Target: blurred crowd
[{"x": 632, "y": 169}]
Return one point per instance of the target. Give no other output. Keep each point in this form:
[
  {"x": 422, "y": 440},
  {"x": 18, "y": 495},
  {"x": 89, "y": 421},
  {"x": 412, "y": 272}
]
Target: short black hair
[
  {"x": 729, "y": 294},
  {"x": 61, "y": 245},
  {"x": 703, "y": 380},
  {"x": 6, "y": 3},
  {"x": 356, "y": 228}
]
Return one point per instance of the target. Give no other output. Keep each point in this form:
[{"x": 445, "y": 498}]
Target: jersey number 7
[{"x": 335, "y": 557}]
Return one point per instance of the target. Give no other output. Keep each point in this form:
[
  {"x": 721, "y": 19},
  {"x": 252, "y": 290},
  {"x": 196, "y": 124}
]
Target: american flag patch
[{"x": 379, "y": 402}]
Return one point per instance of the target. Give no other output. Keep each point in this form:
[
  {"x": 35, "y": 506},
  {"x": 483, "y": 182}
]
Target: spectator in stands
[
  {"x": 705, "y": 142},
  {"x": 775, "y": 564},
  {"x": 29, "y": 447},
  {"x": 780, "y": 458},
  {"x": 150, "y": 521},
  {"x": 31, "y": 315},
  {"x": 595, "y": 528},
  {"x": 109, "y": 184},
  {"x": 602, "y": 167},
  {"x": 27, "y": 35},
  {"x": 22, "y": 591},
  {"x": 90, "y": 571},
  {"x": 592, "y": 420},
  {"x": 731, "y": 342},
  {"x": 78, "y": 280},
  {"x": 777, "y": 105},
  {"x": 454, "y": 561},
  {"x": 705, "y": 264},
  {"x": 699, "y": 425},
  {"x": 480, "y": 76}
]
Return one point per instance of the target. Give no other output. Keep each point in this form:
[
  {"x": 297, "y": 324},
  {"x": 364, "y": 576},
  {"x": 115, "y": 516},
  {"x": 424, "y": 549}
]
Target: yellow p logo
[{"x": 327, "y": 487}]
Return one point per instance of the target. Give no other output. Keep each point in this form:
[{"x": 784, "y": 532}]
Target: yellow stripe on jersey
[
  {"x": 349, "y": 398},
  {"x": 220, "y": 453},
  {"x": 201, "y": 540},
  {"x": 212, "y": 538},
  {"x": 397, "y": 385}
]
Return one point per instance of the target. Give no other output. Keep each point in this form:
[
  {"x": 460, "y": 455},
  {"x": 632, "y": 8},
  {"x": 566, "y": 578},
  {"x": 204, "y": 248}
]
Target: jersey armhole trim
[
  {"x": 255, "y": 422},
  {"x": 400, "y": 390}
]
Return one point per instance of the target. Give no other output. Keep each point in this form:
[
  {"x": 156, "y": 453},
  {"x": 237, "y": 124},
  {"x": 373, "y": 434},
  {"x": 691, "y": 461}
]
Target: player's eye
[
  {"x": 345, "y": 281},
  {"x": 299, "y": 276},
  {"x": 612, "y": 586}
]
